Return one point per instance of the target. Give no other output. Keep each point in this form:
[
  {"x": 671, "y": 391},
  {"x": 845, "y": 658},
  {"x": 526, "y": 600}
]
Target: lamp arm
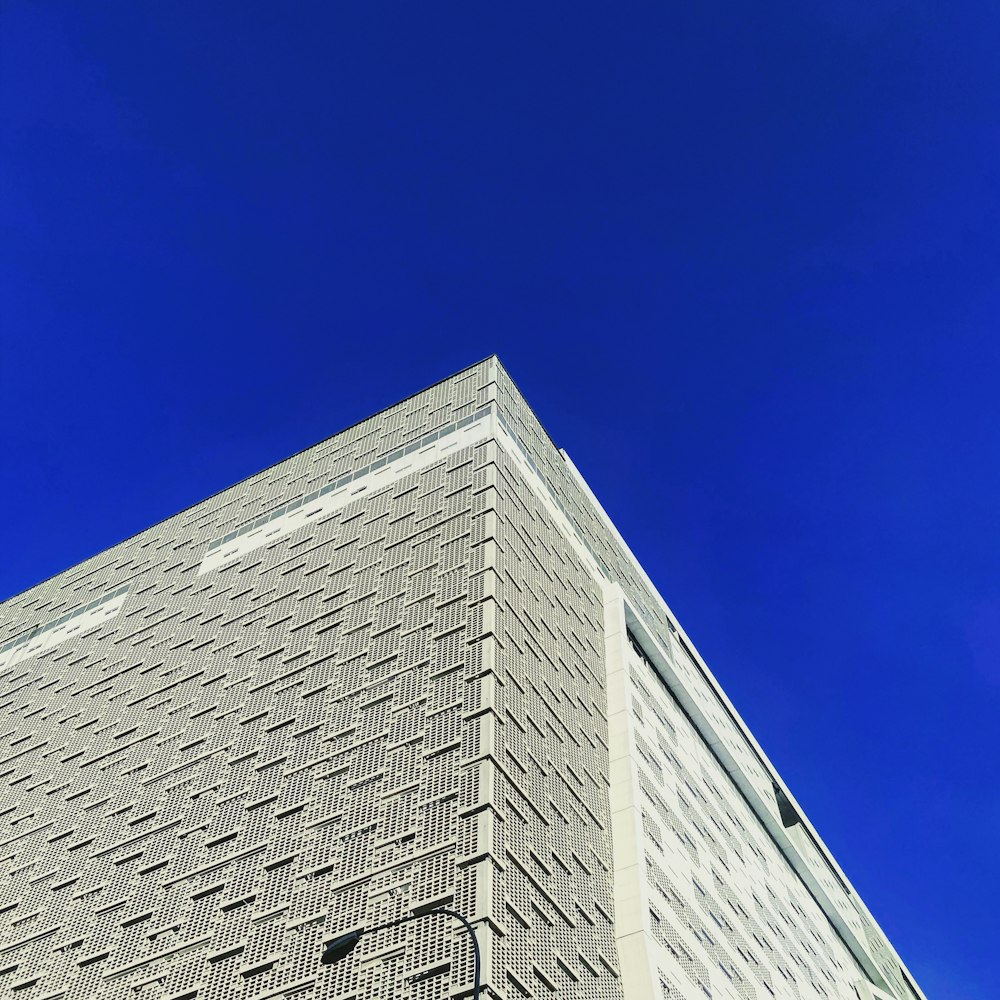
[
  {"x": 475, "y": 945},
  {"x": 477, "y": 962}
]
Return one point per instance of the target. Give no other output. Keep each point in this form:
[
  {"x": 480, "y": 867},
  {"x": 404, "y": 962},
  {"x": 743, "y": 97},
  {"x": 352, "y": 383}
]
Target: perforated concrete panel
[{"x": 412, "y": 665}]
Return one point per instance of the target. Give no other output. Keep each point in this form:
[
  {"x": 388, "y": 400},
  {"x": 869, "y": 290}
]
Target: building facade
[{"x": 412, "y": 666}]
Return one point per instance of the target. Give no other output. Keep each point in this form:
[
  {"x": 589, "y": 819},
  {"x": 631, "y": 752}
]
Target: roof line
[
  {"x": 252, "y": 475},
  {"x": 531, "y": 409}
]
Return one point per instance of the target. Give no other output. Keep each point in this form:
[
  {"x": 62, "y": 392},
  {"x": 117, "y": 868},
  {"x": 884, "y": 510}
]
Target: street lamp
[{"x": 340, "y": 947}]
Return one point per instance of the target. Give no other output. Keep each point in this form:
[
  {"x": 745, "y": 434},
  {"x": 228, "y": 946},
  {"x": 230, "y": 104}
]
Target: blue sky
[{"x": 742, "y": 258}]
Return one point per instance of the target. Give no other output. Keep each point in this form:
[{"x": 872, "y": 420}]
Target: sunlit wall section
[{"x": 273, "y": 733}]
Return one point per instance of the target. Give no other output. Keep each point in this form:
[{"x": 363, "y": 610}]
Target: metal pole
[
  {"x": 475, "y": 944},
  {"x": 416, "y": 916}
]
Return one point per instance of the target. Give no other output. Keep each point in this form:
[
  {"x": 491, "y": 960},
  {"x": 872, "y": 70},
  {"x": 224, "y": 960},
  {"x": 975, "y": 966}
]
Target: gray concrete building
[{"x": 413, "y": 666}]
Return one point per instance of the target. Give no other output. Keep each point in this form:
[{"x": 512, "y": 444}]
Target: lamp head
[{"x": 340, "y": 947}]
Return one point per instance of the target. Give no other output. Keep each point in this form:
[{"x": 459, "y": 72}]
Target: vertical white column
[{"x": 639, "y": 978}]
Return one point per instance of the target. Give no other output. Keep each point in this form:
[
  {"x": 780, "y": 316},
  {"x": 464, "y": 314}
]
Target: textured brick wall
[{"x": 242, "y": 762}]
